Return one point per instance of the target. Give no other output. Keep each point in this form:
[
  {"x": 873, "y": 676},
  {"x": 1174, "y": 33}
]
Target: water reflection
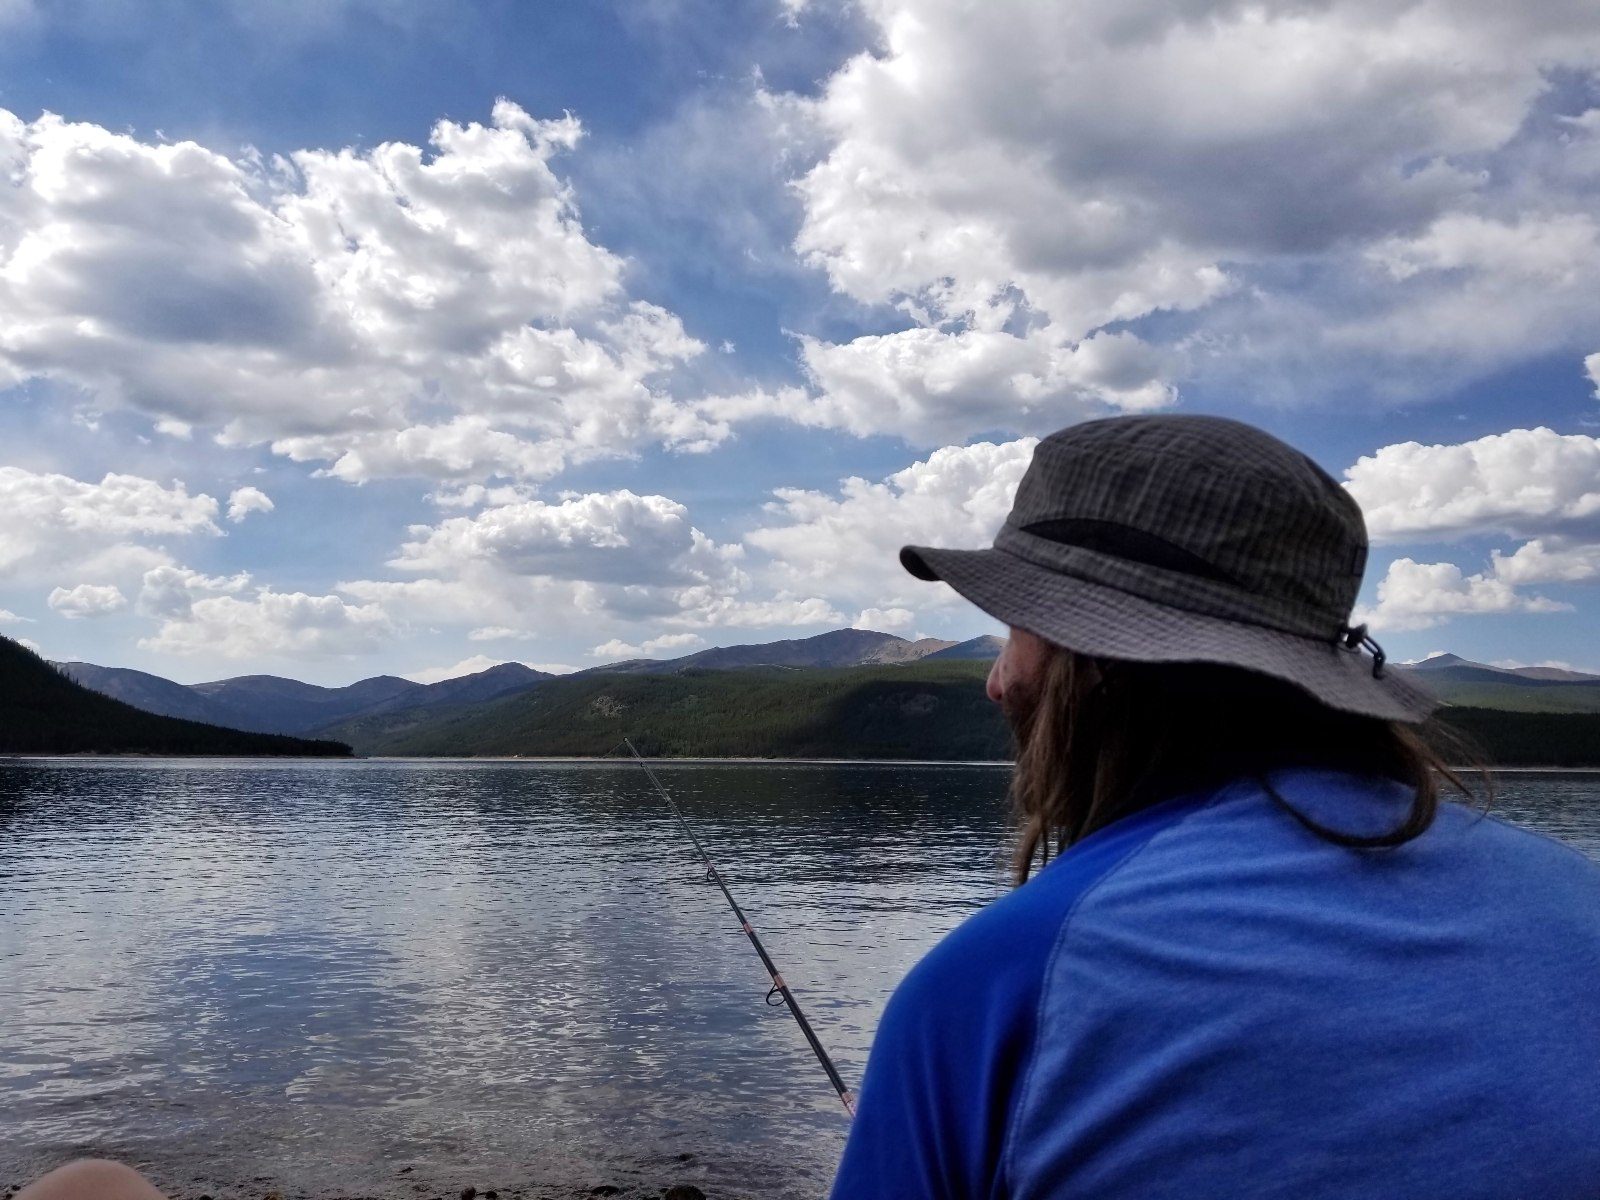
[{"x": 318, "y": 972}]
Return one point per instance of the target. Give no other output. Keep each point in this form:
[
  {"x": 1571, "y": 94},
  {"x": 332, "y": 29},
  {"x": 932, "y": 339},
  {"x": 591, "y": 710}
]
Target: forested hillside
[
  {"x": 916, "y": 710},
  {"x": 1457, "y": 681},
  {"x": 1531, "y": 739},
  {"x": 930, "y": 709},
  {"x": 44, "y": 712}
]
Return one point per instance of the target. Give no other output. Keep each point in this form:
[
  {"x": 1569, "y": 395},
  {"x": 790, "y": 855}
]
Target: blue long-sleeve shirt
[{"x": 1205, "y": 999}]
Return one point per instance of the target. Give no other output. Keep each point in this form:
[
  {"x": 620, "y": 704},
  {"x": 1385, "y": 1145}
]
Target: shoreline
[
  {"x": 683, "y": 1180},
  {"x": 611, "y": 760}
]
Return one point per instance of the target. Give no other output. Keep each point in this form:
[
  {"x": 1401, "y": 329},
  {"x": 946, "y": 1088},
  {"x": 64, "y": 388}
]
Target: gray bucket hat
[{"x": 1185, "y": 539}]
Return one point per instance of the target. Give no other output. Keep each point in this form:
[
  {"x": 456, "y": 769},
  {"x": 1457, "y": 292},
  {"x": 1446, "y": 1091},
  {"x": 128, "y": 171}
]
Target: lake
[{"x": 407, "y": 978}]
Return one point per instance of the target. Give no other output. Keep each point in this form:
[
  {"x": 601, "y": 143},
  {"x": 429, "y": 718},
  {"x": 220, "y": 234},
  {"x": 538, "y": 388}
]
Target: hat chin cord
[{"x": 1355, "y": 637}]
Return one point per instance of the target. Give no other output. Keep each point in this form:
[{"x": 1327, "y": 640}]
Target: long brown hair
[{"x": 1101, "y": 738}]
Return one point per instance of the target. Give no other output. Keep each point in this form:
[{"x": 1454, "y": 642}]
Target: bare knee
[{"x": 91, "y": 1179}]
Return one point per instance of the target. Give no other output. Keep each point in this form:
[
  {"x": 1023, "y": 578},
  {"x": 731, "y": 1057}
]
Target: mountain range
[
  {"x": 800, "y": 687},
  {"x": 1454, "y": 662},
  {"x": 1459, "y": 681},
  {"x": 272, "y": 704},
  {"x": 44, "y": 712},
  {"x": 840, "y": 648},
  {"x": 919, "y": 709}
]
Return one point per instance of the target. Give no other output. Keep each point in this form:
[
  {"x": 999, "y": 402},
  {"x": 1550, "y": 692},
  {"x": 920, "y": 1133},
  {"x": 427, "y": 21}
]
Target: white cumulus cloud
[
  {"x": 933, "y": 385},
  {"x": 496, "y": 633},
  {"x": 667, "y": 643},
  {"x": 1345, "y": 191},
  {"x": 272, "y": 624},
  {"x": 56, "y": 524},
  {"x": 884, "y": 620},
  {"x": 1549, "y": 560},
  {"x": 169, "y": 591},
  {"x": 586, "y": 564},
  {"x": 610, "y": 537},
  {"x": 1415, "y": 595},
  {"x": 246, "y": 500},
  {"x": 402, "y": 310},
  {"x": 1521, "y": 480},
  {"x": 844, "y": 546},
  {"x": 87, "y": 600},
  {"x": 1530, "y": 483}
]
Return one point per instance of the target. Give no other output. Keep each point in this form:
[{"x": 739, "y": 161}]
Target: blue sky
[{"x": 367, "y": 336}]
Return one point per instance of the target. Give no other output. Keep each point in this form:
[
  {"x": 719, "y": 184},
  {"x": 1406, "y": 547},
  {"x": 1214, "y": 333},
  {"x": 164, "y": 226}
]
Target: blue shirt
[{"x": 1205, "y": 999}]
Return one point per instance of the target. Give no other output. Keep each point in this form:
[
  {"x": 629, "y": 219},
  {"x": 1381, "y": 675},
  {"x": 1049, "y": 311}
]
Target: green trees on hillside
[
  {"x": 1531, "y": 739},
  {"x": 929, "y": 710},
  {"x": 932, "y": 710},
  {"x": 918, "y": 710}
]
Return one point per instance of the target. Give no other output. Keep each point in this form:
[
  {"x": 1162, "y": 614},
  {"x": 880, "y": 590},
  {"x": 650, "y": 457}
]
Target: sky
[{"x": 353, "y": 337}]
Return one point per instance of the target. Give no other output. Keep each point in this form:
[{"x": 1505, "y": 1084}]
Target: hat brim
[{"x": 1091, "y": 618}]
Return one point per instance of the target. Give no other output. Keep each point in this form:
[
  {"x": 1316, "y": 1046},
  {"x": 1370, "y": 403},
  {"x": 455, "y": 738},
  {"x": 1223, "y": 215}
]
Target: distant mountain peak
[
  {"x": 1436, "y": 661},
  {"x": 835, "y": 648},
  {"x": 987, "y": 646},
  {"x": 1456, "y": 665},
  {"x": 508, "y": 668}
]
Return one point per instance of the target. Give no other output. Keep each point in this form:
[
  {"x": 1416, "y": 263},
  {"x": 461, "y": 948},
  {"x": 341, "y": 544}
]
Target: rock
[
  {"x": 684, "y": 1191},
  {"x": 468, "y": 1192},
  {"x": 404, "y": 1170},
  {"x": 491, "y": 1194}
]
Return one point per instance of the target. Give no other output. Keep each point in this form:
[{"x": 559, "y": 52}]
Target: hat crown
[{"x": 1203, "y": 513}]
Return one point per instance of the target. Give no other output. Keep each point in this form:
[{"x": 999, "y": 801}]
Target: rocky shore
[{"x": 411, "y": 1183}]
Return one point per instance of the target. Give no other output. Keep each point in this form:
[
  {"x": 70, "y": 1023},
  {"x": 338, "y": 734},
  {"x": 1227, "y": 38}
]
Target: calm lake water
[{"x": 310, "y": 976}]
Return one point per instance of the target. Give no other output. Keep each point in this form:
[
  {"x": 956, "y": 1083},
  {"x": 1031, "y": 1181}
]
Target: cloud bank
[
  {"x": 400, "y": 311},
  {"x": 1529, "y": 483},
  {"x": 1312, "y": 197}
]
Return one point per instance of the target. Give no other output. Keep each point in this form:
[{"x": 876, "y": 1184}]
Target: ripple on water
[{"x": 315, "y": 973}]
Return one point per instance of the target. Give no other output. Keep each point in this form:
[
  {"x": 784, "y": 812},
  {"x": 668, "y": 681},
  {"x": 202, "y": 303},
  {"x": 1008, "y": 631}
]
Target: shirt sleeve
[
  {"x": 945, "y": 1064},
  {"x": 949, "y": 1061}
]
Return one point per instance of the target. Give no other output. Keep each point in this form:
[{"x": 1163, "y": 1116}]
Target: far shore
[
  {"x": 842, "y": 762},
  {"x": 512, "y": 758},
  {"x": 557, "y": 760}
]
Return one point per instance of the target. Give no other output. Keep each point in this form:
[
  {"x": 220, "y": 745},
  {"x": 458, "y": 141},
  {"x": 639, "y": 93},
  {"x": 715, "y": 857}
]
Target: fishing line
[{"x": 779, "y": 988}]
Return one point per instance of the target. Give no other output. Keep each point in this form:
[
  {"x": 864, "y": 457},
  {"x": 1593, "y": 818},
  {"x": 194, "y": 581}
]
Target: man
[{"x": 1262, "y": 958}]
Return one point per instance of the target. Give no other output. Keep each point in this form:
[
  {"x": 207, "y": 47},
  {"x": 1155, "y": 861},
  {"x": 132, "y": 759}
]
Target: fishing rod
[{"x": 779, "y": 987}]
